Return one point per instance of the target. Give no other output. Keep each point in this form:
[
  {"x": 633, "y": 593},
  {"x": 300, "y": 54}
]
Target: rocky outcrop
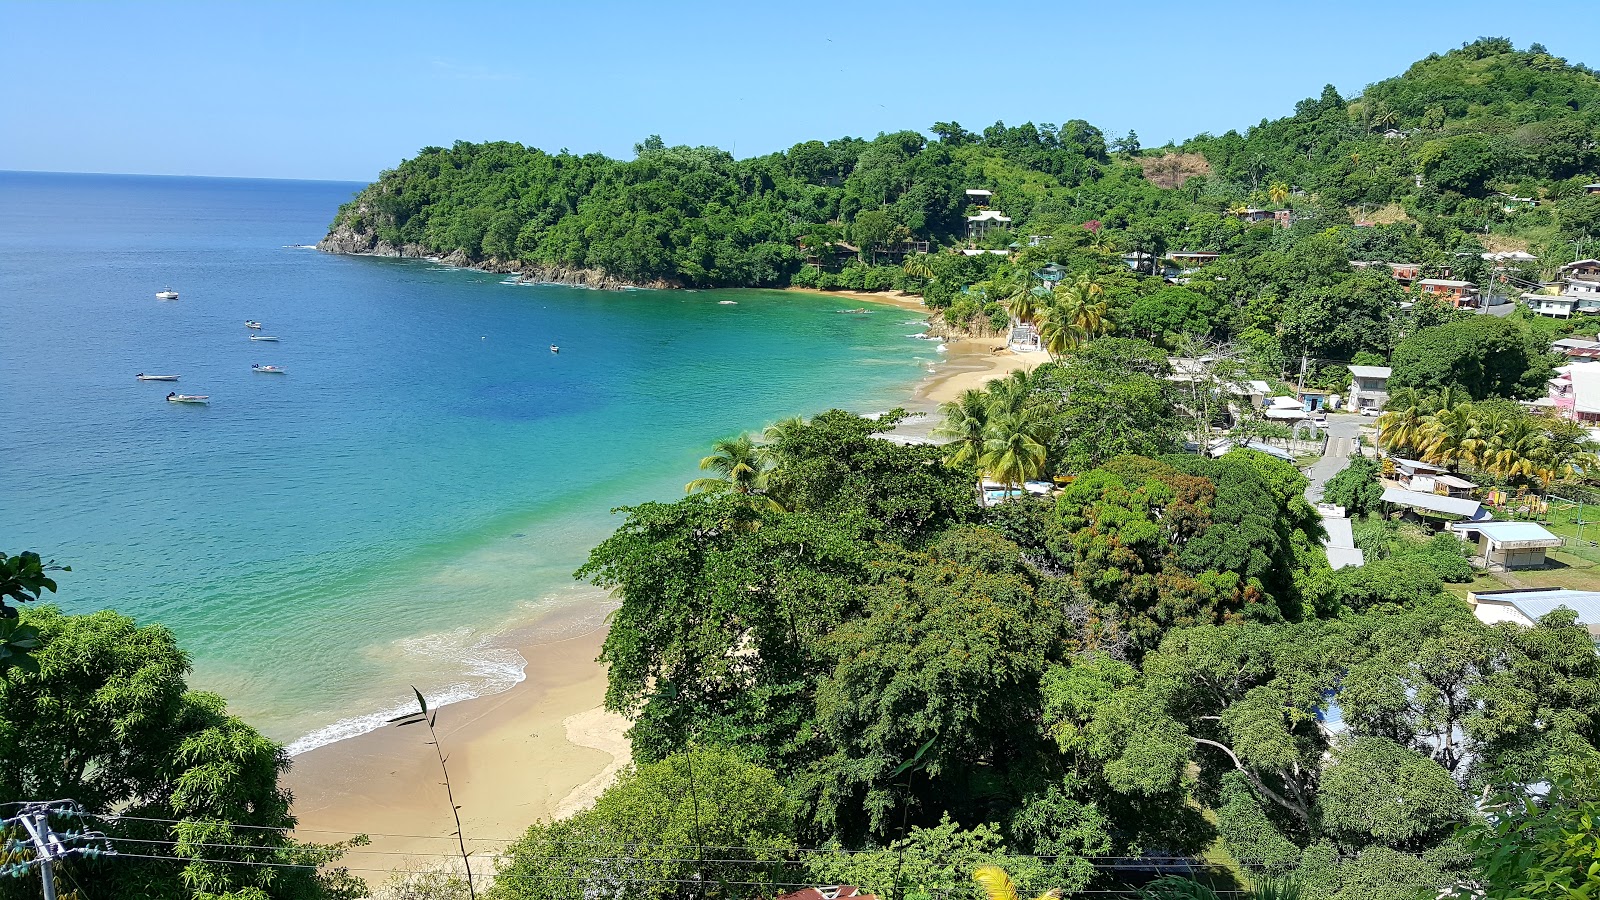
[{"x": 347, "y": 240}]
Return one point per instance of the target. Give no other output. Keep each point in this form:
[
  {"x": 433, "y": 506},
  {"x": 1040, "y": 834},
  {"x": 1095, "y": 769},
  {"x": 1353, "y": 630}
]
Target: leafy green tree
[
  {"x": 937, "y": 861},
  {"x": 718, "y": 626},
  {"x": 743, "y": 467},
  {"x": 1484, "y": 356},
  {"x": 703, "y": 817},
  {"x": 1377, "y": 792},
  {"x": 1531, "y": 846},
  {"x": 951, "y": 650},
  {"x": 1356, "y": 487},
  {"x": 23, "y": 579},
  {"x": 108, "y": 720}
]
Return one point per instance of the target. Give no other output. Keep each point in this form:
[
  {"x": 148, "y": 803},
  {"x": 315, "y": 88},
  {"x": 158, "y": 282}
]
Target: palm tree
[
  {"x": 997, "y": 885},
  {"x": 781, "y": 430},
  {"x": 1023, "y": 303},
  {"x": 916, "y": 266},
  {"x": 966, "y": 421},
  {"x": 1057, "y": 331},
  {"x": 1085, "y": 308},
  {"x": 743, "y": 467},
  {"x": 1568, "y": 450},
  {"x": 1450, "y": 437},
  {"x": 1278, "y": 192},
  {"x": 1512, "y": 448},
  {"x": 1400, "y": 424},
  {"x": 1011, "y": 394},
  {"x": 1014, "y": 448}
]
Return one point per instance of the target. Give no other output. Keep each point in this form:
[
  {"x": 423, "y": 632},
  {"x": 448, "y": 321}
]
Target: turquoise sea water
[{"x": 424, "y": 478}]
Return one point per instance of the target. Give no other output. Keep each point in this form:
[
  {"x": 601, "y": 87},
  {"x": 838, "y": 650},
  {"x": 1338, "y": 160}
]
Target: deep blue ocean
[{"x": 421, "y": 482}]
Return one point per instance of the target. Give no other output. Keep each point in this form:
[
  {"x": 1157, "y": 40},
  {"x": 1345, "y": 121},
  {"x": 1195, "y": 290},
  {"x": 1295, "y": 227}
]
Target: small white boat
[
  {"x": 251, "y": 323},
  {"x": 143, "y": 377},
  {"x": 166, "y": 294},
  {"x": 727, "y": 303},
  {"x": 262, "y": 337},
  {"x": 273, "y": 370},
  {"x": 554, "y": 349},
  {"x": 188, "y": 398}
]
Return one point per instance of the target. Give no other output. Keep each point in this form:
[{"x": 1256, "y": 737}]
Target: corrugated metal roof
[
  {"x": 1451, "y": 506},
  {"x": 1339, "y": 533},
  {"x": 1371, "y": 371},
  {"x": 1513, "y": 532},
  {"x": 1342, "y": 557},
  {"x": 1537, "y": 602}
]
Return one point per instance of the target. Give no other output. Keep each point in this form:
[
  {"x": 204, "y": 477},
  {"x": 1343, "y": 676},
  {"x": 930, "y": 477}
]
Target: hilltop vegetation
[{"x": 1438, "y": 143}]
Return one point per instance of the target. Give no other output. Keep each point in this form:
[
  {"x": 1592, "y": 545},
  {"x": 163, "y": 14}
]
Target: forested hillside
[{"x": 1439, "y": 148}]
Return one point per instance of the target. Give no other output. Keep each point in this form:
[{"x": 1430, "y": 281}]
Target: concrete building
[
  {"x": 1340, "y": 542},
  {"x": 1508, "y": 545},
  {"x": 1527, "y": 606},
  {"x": 1369, "y": 387},
  {"x": 1459, "y": 293},
  {"x": 986, "y": 221}
]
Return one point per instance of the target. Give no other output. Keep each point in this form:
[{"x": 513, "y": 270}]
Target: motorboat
[
  {"x": 166, "y": 294},
  {"x": 188, "y": 398},
  {"x": 143, "y": 377},
  {"x": 271, "y": 370},
  {"x": 554, "y": 349},
  {"x": 251, "y": 323},
  {"x": 727, "y": 303},
  {"x": 262, "y": 337}
]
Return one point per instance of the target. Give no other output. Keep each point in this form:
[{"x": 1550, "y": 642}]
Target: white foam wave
[
  {"x": 941, "y": 349},
  {"x": 299, "y": 246},
  {"x": 480, "y": 668}
]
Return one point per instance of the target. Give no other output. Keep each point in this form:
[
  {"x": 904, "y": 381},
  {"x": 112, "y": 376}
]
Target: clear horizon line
[{"x": 4, "y": 171}]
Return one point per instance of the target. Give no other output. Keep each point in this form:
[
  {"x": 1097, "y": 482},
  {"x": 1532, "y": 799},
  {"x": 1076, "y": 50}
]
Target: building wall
[{"x": 1491, "y": 613}]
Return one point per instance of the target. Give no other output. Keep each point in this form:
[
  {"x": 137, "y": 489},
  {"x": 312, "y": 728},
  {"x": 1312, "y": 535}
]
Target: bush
[
  {"x": 1399, "y": 580},
  {"x": 1356, "y": 487},
  {"x": 999, "y": 319},
  {"x": 806, "y": 277},
  {"x": 1250, "y": 835}
]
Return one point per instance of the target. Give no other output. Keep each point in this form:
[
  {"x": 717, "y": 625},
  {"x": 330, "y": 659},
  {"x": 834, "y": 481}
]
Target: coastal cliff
[{"x": 347, "y": 240}]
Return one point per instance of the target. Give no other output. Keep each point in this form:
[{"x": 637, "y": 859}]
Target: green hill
[{"x": 1436, "y": 147}]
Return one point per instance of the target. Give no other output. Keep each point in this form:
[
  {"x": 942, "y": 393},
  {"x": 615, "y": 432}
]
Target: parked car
[
  {"x": 1320, "y": 419},
  {"x": 1370, "y": 411}
]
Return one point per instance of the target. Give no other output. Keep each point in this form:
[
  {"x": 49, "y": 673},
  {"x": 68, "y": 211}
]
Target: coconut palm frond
[{"x": 995, "y": 882}]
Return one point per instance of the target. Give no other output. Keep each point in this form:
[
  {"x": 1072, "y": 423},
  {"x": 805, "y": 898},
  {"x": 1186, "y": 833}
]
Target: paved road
[{"x": 1342, "y": 431}]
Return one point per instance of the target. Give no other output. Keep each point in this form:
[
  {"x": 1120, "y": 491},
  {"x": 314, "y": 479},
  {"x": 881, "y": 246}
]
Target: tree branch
[{"x": 1256, "y": 781}]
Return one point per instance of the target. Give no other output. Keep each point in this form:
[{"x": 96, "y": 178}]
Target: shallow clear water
[{"x": 426, "y": 474}]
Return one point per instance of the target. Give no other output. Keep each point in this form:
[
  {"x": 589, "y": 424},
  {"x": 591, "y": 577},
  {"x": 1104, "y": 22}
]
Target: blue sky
[{"x": 341, "y": 90}]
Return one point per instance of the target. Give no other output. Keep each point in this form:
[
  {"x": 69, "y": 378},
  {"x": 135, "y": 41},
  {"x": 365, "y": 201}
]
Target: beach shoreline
[{"x": 545, "y": 747}]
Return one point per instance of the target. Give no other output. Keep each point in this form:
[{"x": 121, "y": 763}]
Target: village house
[
  {"x": 1253, "y": 215},
  {"x": 1459, "y": 293},
  {"x": 1583, "y": 269},
  {"x": 1592, "y": 188},
  {"x": 1526, "y": 606},
  {"x": 1405, "y": 272},
  {"x": 979, "y": 197},
  {"x": 984, "y": 222},
  {"x": 1504, "y": 546},
  {"x": 1369, "y": 387},
  {"x": 1192, "y": 259},
  {"x": 1575, "y": 391}
]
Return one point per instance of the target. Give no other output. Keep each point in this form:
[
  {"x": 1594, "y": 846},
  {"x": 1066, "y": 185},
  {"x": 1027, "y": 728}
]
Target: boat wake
[{"x": 478, "y": 669}]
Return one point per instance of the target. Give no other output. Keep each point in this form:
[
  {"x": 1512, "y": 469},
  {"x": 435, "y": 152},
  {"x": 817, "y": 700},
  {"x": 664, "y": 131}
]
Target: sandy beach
[{"x": 545, "y": 748}]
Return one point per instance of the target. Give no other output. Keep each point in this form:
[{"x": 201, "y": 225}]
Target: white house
[
  {"x": 1369, "y": 387},
  {"x": 1340, "y": 542},
  {"x": 984, "y": 222},
  {"x": 1509, "y": 545},
  {"x": 1526, "y": 606}
]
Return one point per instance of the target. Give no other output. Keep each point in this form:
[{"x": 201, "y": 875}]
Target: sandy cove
[
  {"x": 541, "y": 750},
  {"x": 545, "y": 748}
]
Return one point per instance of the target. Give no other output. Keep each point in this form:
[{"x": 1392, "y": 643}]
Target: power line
[
  {"x": 525, "y": 878},
  {"x": 826, "y": 851}
]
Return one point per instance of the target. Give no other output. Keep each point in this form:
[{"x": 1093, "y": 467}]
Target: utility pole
[{"x": 47, "y": 845}]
